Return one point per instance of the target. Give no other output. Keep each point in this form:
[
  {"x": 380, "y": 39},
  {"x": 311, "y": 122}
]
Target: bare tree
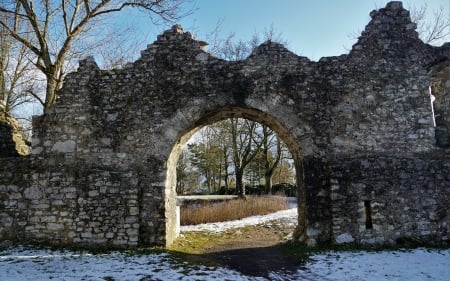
[
  {"x": 19, "y": 83},
  {"x": 284, "y": 172},
  {"x": 221, "y": 138},
  {"x": 182, "y": 166},
  {"x": 269, "y": 140},
  {"x": 244, "y": 148},
  {"x": 434, "y": 29},
  {"x": 229, "y": 49},
  {"x": 59, "y": 27},
  {"x": 119, "y": 47},
  {"x": 207, "y": 156}
]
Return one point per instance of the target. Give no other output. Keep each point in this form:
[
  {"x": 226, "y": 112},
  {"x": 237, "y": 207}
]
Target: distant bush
[
  {"x": 231, "y": 210},
  {"x": 226, "y": 191},
  {"x": 284, "y": 188},
  {"x": 254, "y": 190}
]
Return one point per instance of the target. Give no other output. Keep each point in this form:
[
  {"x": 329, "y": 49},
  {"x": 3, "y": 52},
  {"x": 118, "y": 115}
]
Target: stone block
[
  {"x": 33, "y": 192},
  {"x": 54, "y": 226},
  {"x": 67, "y": 146},
  {"x": 93, "y": 193}
]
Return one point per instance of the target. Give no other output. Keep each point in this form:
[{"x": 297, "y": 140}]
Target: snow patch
[
  {"x": 344, "y": 238},
  {"x": 412, "y": 265},
  {"x": 217, "y": 227}
]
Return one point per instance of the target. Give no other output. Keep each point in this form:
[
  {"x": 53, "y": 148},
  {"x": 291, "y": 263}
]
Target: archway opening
[
  {"x": 229, "y": 117},
  {"x": 235, "y": 156}
]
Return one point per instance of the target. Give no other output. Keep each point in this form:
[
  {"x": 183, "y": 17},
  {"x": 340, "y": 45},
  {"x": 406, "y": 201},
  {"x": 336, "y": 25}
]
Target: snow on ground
[
  {"x": 289, "y": 215},
  {"x": 28, "y": 264},
  {"x": 412, "y": 265},
  {"x": 25, "y": 263}
]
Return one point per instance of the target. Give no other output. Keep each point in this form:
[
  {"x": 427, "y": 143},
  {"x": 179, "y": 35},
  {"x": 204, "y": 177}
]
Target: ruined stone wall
[
  {"x": 408, "y": 198},
  {"x": 67, "y": 204},
  {"x": 383, "y": 102},
  {"x": 14, "y": 179},
  {"x": 102, "y": 167},
  {"x": 131, "y": 119}
]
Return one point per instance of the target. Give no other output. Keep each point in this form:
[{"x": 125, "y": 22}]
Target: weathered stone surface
[
  {"x": 33, "y": 192},
  {"x": 12, "y": 142},
  {"x": 64, "y": 146},
  {"x": 359, "y": 126},
  {"x": 401, "y": 206}
]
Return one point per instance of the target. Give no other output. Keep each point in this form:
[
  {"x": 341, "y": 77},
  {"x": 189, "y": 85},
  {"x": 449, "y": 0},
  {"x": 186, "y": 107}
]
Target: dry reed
[{"x": 231, "y": 210}]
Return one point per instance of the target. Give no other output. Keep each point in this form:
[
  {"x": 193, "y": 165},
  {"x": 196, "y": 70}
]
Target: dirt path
[{"x": 254, "y": 250}]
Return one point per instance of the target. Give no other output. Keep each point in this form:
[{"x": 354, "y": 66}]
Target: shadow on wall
[{"x": 12, "y": 142}]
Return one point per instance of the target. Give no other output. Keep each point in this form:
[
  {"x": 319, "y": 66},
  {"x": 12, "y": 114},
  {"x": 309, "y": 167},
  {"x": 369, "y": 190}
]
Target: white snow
[
  {"x": 289, "y": 215},
  {"x": 25, "y": 263},
  {"x": 412, "y": 265},
  {"x": 28, "y": 264}
]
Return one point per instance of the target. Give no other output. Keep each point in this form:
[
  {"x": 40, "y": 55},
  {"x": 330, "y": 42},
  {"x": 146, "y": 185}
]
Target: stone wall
[
  {"x": 14, "y": 180},
  {"x": 359, "y": 126},
  {"x": 68, "y": 204},
  {"x": 407, "y": 197}
]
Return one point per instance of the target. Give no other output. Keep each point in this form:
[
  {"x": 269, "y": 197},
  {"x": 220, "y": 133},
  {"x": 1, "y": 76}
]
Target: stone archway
[
  {"x": 100, "y": 171},
  {"x": 219, "y": 115}
]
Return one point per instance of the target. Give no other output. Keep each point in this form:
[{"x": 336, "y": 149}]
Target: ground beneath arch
[{"x": 254, "y": 246}]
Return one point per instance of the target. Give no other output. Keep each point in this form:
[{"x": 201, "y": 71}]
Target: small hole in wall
[{"x": 368, "y": 212}]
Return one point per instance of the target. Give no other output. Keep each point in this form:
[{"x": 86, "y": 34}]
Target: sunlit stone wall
[{"x": 360, "y": 128}]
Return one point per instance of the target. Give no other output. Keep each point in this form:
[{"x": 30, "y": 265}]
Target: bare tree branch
[
  {"x": 434, "y": 30},
  {"x": 57, "y": 25},
  {"x": 64, "y": 15},
  {"x": 87, "y": 7}
]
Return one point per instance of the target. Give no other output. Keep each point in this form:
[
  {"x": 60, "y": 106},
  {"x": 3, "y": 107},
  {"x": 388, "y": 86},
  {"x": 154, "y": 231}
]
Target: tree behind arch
[{"x": 58, "y": 29}]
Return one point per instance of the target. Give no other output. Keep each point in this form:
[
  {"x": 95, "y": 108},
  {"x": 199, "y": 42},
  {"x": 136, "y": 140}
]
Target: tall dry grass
[{"x": 231, "y": 210}]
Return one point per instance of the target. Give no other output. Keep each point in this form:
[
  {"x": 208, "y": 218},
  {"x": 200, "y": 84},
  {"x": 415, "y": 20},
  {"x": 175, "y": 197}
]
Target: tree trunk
[
  {"x": 178, "y": 188},
  {"x": 239, "y": 183},
  {"x": 3, "y": 57},
  {"x": 268, "y": 183},
  {"x": 225, "y": 177},
  {"x": 2, "y": 83},
  {"x": 52, "y": 86},
  {"x": 225, "y": 167}
]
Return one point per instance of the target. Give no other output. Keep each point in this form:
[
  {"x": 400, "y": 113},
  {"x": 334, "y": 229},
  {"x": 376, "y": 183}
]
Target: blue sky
[{"x": 312, "y": 28}]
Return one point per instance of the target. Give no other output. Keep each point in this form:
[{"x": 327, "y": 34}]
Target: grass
[
  {"x": 232, "y": 210},
  {"x": 197, "y": 241}
]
